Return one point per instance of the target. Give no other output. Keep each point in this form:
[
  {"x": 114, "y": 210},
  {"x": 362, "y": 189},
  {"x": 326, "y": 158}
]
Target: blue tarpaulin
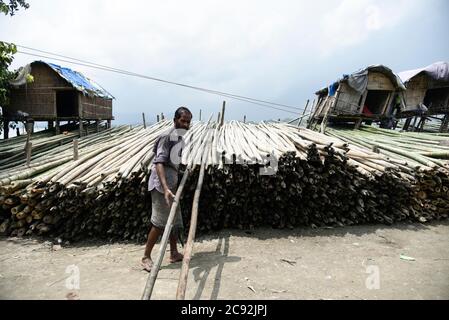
[
  {"x": 333, "y": 88},
  {"x": 79, "y": 81}
]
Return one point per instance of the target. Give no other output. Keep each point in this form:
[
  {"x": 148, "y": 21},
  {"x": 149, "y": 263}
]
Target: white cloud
[
  {"x": 373, "y": 21},
  {"x": 353, "y": 21},
  {"x": 248, "y": 47}
]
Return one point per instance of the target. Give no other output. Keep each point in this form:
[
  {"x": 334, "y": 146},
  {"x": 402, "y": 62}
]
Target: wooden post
[
  {"x": 219, "y": 118},
  {"x": 5, "y": 129},
  {"x": 332, "y": 104},
  {"x": 163, "y": 245},
  {"x": 109, "y": 124},
  {"x": 157, "y": 118},
  {"x": 244, "y": 119},
  {"x": 81, "y": 128},
  {"x": 407, "y": 124},
  {"x": 200, "y": 114},
  {"x": 318, "y": 107},
  {"x": 58, "y": 130},
  {"x": 303, "y": 113},
  {"x": 222, "y": 113},
  {"x": 143, "y": 119},
  {"x": 312, "y": 111},
  {"x": 28, "y": 129},
  {"x": 444, "y": 123},
  {"x": 28, "y": 144},
  {"x": 75, "y": 149},
  {"x": 28, "y": 148},
  {"x": 423, "y": 121},
  {"x": 358, "y": 123},
  {"x": 414, "y": 123}
]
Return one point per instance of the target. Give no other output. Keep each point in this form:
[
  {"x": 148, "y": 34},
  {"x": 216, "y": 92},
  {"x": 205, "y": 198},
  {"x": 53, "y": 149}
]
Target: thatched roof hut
[
  {"x": 368, "y": 94},
  {"x": 56, "y": 94},
  {"x": 427, "y": 90}
]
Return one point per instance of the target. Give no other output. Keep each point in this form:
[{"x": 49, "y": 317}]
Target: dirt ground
[{"x": 362, "y": 262}]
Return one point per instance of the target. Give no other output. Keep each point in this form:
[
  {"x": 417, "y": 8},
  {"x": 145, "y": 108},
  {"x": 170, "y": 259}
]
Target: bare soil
[{"x": 359, "y": 262}]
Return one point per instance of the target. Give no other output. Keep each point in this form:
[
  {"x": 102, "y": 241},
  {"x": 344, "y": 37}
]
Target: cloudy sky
[{"x": 280, "y": 51}]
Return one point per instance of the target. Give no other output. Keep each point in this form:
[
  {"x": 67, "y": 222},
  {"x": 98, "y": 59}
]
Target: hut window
[
  {"x": 67, "y": 103},
  {"x": 375, "y": 101}
]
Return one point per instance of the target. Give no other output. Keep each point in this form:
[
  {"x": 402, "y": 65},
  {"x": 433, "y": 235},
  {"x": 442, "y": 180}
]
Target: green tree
[
  {"x": 7, "y": 51},
  {"x": 13, "y": 6}
]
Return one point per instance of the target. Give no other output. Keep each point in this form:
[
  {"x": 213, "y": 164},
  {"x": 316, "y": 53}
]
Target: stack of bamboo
[
  {"x": 320, "y": 180},
  {"x": 12, "y": 150}
]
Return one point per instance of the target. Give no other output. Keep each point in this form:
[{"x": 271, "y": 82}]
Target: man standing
[{"x": 163, "y": 183}]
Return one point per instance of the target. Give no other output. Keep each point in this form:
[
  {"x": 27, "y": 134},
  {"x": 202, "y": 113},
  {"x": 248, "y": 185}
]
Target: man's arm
[{"x": 169, "y": 196}]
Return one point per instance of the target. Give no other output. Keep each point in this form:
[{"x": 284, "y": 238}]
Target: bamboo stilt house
[
  {"x": 56, "y": 94},
  {"x": 368, "y": 94},
  {"x": 428, "y": 87}
]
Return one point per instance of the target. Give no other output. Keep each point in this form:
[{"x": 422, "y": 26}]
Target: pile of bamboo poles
[
  {"x": 12, "y": 149},
  {"x": 424, "y": 150},
  {"x": 319, "y": 180}
]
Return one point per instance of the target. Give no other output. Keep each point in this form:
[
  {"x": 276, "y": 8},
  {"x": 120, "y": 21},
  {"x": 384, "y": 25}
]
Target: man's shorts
[{"x": 160, "y": 212}]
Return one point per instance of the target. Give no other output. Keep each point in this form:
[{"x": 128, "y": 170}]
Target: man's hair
[{"x": 180, "y": 111}]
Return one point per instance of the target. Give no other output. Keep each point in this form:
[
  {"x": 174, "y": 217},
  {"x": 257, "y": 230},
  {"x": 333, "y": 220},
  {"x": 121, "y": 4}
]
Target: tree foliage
[
  {"x": 11, "y": 6},
  {"x": 7, "y": 51}
]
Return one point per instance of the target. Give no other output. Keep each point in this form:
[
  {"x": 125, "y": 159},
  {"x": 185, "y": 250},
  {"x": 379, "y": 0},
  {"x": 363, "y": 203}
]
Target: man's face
[{"x": 184, "y": 121}]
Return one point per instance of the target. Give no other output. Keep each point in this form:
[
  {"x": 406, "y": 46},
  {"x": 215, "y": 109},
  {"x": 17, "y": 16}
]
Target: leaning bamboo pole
[
  {"x": 182, "y": 284},
  {"x": 163, "y": 246}
]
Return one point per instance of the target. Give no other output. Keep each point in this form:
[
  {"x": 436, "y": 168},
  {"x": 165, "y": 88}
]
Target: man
[{"x": 163, "y": 183}]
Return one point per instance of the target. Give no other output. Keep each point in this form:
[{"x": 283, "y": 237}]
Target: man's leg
[
  {"x": 175, "y": 256},
  {"x": 153, "y": 235}
]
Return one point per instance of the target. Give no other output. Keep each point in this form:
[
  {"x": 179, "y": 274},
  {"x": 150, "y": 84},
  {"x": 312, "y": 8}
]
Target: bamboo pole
[
  {"x": 168, "y": 227},
  {"x": 28, "y": 152},
  {"x": 303, "y": 113},
  {"x": 143, "y": 119},
  {"x": 75, "y": 149},
  {"x": 222, "y": 113},
  {"x": 182, "y": 284}
]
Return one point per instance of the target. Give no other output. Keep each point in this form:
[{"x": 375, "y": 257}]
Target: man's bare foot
[
  {"x": 176, "y": 257},
  {"x": 147, "y": 263}
]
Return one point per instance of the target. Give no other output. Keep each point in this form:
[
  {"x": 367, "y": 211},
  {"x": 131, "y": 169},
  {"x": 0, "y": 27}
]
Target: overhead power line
[{"x": 71, "y": 60}]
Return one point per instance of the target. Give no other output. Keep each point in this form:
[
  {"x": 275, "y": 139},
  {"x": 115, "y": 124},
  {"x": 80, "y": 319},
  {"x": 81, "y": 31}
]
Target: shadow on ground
[{"x": 203, "y": 263}]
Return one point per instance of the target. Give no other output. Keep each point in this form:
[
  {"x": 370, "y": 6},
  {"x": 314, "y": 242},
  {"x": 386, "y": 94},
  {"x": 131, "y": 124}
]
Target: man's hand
[{"x": 169, "y": 196}]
